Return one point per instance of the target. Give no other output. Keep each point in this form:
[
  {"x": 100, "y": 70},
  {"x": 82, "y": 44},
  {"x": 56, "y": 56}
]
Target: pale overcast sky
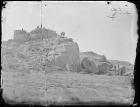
[{"x": 86, "y": 22}]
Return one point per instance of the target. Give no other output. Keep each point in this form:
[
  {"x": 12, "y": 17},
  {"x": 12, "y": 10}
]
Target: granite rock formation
[
  {"x": 41, "y": 53},
  {"x": 101, "y": 62},
  {"x": 88, "y": 66},
  {"x": 109, "y": 67},
  {"x": 41, "y": 67}
]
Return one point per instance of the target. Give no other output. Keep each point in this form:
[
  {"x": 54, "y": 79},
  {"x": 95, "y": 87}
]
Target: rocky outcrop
[
  {"x": 34, "y": 56},
  {"x": 43, "y": 69},
  {"x": 88, "y": 66},
  {"x": 48, "y": 54},
  {"x": 101, "y": 62},
  {"x": 110, "y": 67}
]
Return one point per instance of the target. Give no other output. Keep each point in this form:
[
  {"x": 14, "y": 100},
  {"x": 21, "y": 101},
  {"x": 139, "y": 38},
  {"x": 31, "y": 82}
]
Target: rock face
[{"x": 67, "y": 54}]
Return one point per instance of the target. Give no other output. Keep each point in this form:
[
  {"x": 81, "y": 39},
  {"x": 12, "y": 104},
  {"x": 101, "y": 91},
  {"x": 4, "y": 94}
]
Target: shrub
[{"x": 62, "y": 34}]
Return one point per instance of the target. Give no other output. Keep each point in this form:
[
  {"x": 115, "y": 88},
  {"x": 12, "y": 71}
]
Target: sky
[{"x": 88, "y": 23}]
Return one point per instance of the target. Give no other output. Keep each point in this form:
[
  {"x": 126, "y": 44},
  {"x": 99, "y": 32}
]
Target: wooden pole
[{"x": 41, "y": 22}]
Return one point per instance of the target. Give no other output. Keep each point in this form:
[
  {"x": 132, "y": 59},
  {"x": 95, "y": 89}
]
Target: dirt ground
[{"x": 32, "y": 87}]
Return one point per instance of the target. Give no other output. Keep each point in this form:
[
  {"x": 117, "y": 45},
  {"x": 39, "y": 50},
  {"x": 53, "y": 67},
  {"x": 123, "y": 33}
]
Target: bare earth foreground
[{"x": 65, "y": 87}]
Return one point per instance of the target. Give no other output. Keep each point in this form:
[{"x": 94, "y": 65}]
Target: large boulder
[
  {"x": 66, "y": 55},
  {"x": 104, "y": 68},
  {"x": 88, "y": 66},
  {"x": 100, "y": 61}
]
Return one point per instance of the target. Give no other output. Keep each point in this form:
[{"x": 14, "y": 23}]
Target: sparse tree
[
  {"x": 115, "y": 68},
  {"x": 62, "y": 34}
]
